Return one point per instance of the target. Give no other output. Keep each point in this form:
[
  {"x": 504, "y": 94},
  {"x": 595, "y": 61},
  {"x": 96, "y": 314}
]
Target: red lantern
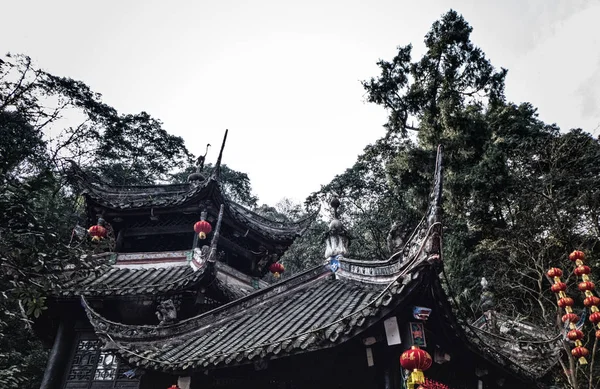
[
  {"x": 579, "y": 352},
  {"x": 571, "y": 317},
  {"x": 591, "y": 301},
  {"x": 554, "y": 272},
  {"x": 597, "y": 334},
  {"x": 202, "y": 228},
  {"x": 276, "y": 268},
  {"x": 174, "y": 387},
  {"x": 575, "y": 335},
  {"x": 97, "y": 232},
  {"x": 565, "y": 302},
  {"x": 586, "y": 285},
  {"x": 581, "y": 270},
  {"x": 558, "y": 287},
  {"x": 416, "y": 360},
  {"x": 575, "y": 255},
  {"x": 595, "y": 317}
]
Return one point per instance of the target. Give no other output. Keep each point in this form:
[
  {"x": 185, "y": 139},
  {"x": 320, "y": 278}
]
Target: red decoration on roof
[
  {"x": 557, "y": 287},
  {"x": 202, "y": 228},
  {"x": 575, "y": 255},
  {"x": 591, "y": 301},
  {"x": 565, "y": 302},
  {"x": 276, "y": 268},
  {"x": 554, "y": 272},
  {"x": 581, "y": 270},
  {"x": 586, "y": 285},
  {"x": 416, "y": 360},
  {"x": 571, "y": 317},
  {"x": 580, "y": 352},
  {"x": 97, "y": 232},
  {"x": 575, "y": 334}
]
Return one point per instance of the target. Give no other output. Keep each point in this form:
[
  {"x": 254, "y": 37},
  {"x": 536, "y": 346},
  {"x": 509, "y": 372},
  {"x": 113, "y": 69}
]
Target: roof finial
[
  {"x": 217, "y": 172},
  {"x": 336, "y": 238},
  {"x": 487, "y": 297},
  {"x": 335, "y": 204}
]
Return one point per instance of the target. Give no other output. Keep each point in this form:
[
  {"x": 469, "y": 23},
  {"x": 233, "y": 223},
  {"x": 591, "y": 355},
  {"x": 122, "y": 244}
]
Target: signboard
[
  {"x": 391, "y": 331},
  {"x": 417, "y": 332}
]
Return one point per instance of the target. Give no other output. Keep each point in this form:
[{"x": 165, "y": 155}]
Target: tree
[
  {"x": 77, "y": 125},
  {"x": 306, "y": 251},
  {"x": 45, "y": 120},
  {"x": 519, "y": 194},
  {"x": 236, "y": 185}
]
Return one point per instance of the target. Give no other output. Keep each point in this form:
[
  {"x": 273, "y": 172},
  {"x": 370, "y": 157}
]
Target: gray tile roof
[
  {"x": 309, "y": 312},
  {"x": 530, "y": 352},
  {"x": 175, "y": 195},
  {"x": 122, "y": 281},
  {"x": 116, "y": 281},
  {"x": 128, "y": 197}
]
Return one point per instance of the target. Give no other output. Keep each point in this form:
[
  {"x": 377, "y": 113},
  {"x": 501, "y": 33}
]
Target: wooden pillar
[
  {"x": 59, "y": 356},
  {"x": 119, "y": 241}
]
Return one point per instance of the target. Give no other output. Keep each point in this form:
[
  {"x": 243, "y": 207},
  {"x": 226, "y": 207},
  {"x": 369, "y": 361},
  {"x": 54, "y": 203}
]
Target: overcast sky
[{"x": 284, "y": 76}]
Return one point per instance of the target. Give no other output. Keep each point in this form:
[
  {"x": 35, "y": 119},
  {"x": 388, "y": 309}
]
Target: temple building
[{"x": 168, "y": 309}]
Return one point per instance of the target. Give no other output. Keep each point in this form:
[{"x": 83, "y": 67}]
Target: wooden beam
[
  {"x": 237, "y": 249},
  {"x": 160, "y": 230}
]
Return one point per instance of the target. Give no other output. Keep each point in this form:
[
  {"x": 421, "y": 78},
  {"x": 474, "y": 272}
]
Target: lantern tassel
[
  {"x": 582, "y": 361},
  {"x": 417, "y": 377}
]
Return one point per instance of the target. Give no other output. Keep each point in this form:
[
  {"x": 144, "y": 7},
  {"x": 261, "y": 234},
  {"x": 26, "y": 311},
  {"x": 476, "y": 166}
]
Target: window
[{"x": 93, "y": 368}]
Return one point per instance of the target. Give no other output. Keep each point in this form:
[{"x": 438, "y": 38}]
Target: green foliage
[
  {"x": 21, "y": 147},
  {"x": 76, "y": 125},
  {"x": 306, "y": 251},
  {"x": 44, "y": 121},
  {"x": 135, "y": 149},
  {"x": 35, "y": 223},
  {"x": 519, "y": 195}
]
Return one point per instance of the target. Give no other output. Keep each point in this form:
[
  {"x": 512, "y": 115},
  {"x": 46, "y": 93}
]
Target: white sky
[{"x": 283, "y": 76}]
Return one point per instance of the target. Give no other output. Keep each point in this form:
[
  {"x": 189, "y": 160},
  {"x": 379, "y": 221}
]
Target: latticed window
[{"x": 93, "y": 368}]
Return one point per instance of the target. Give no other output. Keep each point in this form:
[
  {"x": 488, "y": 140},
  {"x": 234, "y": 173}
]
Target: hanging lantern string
[
  {"x": 567, "y": 302},
  {"x": 587, "y": 286}
]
